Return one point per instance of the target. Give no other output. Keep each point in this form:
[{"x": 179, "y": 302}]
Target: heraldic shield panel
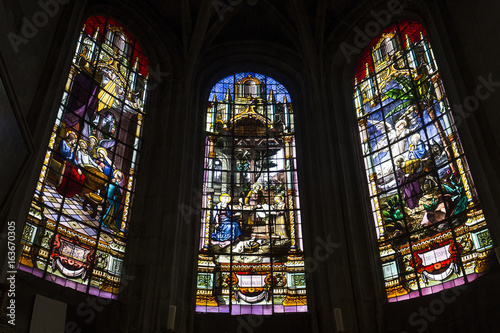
[
  {"x": 430, "y": 227},
  {"x": 250, "y": 258},
  {"x": 76, "y": 229}
]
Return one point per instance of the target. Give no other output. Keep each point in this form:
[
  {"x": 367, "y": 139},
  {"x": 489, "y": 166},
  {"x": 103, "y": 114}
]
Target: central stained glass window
[{"x": 250, "y": 258}]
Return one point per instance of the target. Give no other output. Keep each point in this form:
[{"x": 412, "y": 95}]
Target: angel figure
[{"x": 395, "y": 135}]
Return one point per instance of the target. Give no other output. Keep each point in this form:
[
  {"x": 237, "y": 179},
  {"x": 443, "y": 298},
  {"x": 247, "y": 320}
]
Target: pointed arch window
[
  {"x": 430, "y": 227},
  {"x": 250, "y": 258},
  {"x": 76, "y": 229}
]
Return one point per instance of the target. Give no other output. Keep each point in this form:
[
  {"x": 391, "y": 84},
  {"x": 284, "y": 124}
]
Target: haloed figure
[
  {"x": 417, "y": 147},
  {"x": 73, "y": 180},
  {"x": 105, "y": 162},
  {"x": 227, "y": 229},
  {"x": 407, "y": 175},
  {"x": 92, "y": 148},
  {"x": 113, "y": 216},
  {"x": 83, "y": 158},
  {"x": 255, "y": 198}
]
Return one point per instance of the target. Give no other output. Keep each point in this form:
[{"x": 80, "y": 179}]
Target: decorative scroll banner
[
  {"x": 251, "y": 288},
  {"x": 434, "y": 256},
  {"x": 251, "y": 281},
  {"x": 71, "y": 258},
  {"x": 437, "y": 264},
  {"x": 252, "y": 299},
  {"x": 57, "y": 264},
  {"x": 440, "y": 277}
]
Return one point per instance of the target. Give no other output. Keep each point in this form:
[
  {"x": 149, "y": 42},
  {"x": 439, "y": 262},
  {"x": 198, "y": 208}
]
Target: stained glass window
[
  {"x": 430, "y": 227},
  {"x": 250, "y": 258},
  {"x": 77, "y": 225}
]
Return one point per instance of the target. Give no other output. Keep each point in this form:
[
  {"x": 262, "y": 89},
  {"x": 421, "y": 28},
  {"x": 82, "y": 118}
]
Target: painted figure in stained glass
[
  {"x": 424, "y": 202},
  {"x": 73, "y": 178},
  {"x": 227, "y": 228},
  {"x": 83, "y": 158},
  {"x": 114, "y": 195},
  {"x": 255, "y": 199},
  {"x": 407, "y": 176},
  {"x": 278, "y": 210}
]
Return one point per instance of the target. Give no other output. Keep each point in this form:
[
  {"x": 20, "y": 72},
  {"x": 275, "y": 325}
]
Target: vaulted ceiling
[{"x": 281, "y": 22}]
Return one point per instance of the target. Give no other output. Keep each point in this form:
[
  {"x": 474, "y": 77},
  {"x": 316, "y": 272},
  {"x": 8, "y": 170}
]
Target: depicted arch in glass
[
  {"x": 250, "y": 258},
  {"x": 76, "y": 229},
  {"x": 430, "y": 227}
]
